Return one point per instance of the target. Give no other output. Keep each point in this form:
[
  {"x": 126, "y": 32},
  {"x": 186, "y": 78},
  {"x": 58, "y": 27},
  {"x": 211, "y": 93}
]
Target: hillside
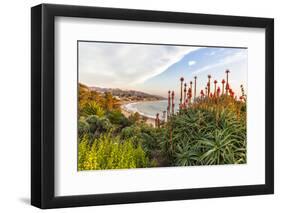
[{"x": 128, "y": 95}]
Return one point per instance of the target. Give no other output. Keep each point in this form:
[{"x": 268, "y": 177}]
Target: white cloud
[
  {"x": 122, "y": 65},
  {"x": 238, "y": 56},
  {"x": 212, "y": 53},
  {"x": 190, "y": 63}
]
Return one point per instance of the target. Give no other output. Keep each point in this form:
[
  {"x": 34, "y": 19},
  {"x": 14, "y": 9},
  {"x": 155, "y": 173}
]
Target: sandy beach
[{"x": 127, "y": 113}]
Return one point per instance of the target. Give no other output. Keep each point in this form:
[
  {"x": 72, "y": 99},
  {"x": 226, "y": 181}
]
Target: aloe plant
[{"x": 205, "y": 134}]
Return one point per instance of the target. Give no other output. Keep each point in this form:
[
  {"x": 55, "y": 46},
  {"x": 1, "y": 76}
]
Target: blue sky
[{"x": 157, "y": 68}]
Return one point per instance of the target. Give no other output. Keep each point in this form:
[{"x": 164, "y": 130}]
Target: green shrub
[
  {"x": 93, "y": 126},
  {"x": 116, "y": 117},
  {"x": 92, "y": 108},
  {"x": 109, "y": 152},
  {"x": 206, "y": 137},
  {"x": 144, "y": 135}
]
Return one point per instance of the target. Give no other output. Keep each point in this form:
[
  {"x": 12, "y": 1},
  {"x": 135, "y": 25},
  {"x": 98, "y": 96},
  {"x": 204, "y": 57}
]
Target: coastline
[{"x": 127, "y": 112}]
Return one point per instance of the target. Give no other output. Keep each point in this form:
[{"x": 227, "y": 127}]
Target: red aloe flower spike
[
  {"x": 218, "y": 91},
  {"x": 215, "y": 90},
  {"x": 169, "y": 104},
  {"x": 241, "y": 98},
  {"x": 209, "y": 83},
  {"x": 173, "y": 103},
  {"x": 227, "y": 72},
  {"x": 181, "y": 80},
  {"x": 190, "y": 87},
  {"x": 195, "y": 80},
  {"x": 189, "y": 94},
  {"x": 223, "y": 82},
  {"x": 227, "y": 88},
  {"x": 184, "y": 92},
  {"x": 231, "y": 93},
  {"x": 202, "y": 93}
]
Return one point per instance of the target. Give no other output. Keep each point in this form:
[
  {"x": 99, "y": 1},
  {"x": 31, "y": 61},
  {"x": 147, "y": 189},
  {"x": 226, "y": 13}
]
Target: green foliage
[
  {"x": 108, "y": 101},
  {"x": 92, "y": 108},
  {"x": 83, "y": 152},
  {"x": 207, "y": 136},
  {"x": 210, "y": 131},
  {"x": 109, "y": 152},
  {"x": 135, "y": 117},
  {"x": 83, "y": 127},
  {"x": 93, "y": 126},
  {"x": 144, "y": 135},
  {"x": 116, "y": 117},
  {"x": 130, "y": 132}
]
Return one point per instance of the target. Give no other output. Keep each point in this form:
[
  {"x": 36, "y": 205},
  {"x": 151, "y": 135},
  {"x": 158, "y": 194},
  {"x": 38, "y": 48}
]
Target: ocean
[{"x": 150, "y": 108}]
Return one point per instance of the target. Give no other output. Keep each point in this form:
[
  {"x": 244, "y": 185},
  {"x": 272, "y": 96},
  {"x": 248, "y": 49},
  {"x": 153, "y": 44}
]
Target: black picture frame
[{"x": 43, "y": 102}]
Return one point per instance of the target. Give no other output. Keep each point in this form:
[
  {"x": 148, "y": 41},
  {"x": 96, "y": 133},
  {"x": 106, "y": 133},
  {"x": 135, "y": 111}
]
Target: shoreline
[{"x": 127, "y": 112}]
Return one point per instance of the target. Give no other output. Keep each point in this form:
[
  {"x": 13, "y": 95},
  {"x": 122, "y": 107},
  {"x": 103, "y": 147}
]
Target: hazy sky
[{"x": 157, "y": 68}]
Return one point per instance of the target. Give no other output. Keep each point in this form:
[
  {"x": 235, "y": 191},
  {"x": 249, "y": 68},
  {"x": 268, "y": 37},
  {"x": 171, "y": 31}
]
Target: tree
[
  {"x": 135, "y": 117},
  {"x": 108, "y": 101}
]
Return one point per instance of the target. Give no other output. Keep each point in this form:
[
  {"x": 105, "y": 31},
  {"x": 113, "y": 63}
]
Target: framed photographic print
[{"x": 139, "y": 106}]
